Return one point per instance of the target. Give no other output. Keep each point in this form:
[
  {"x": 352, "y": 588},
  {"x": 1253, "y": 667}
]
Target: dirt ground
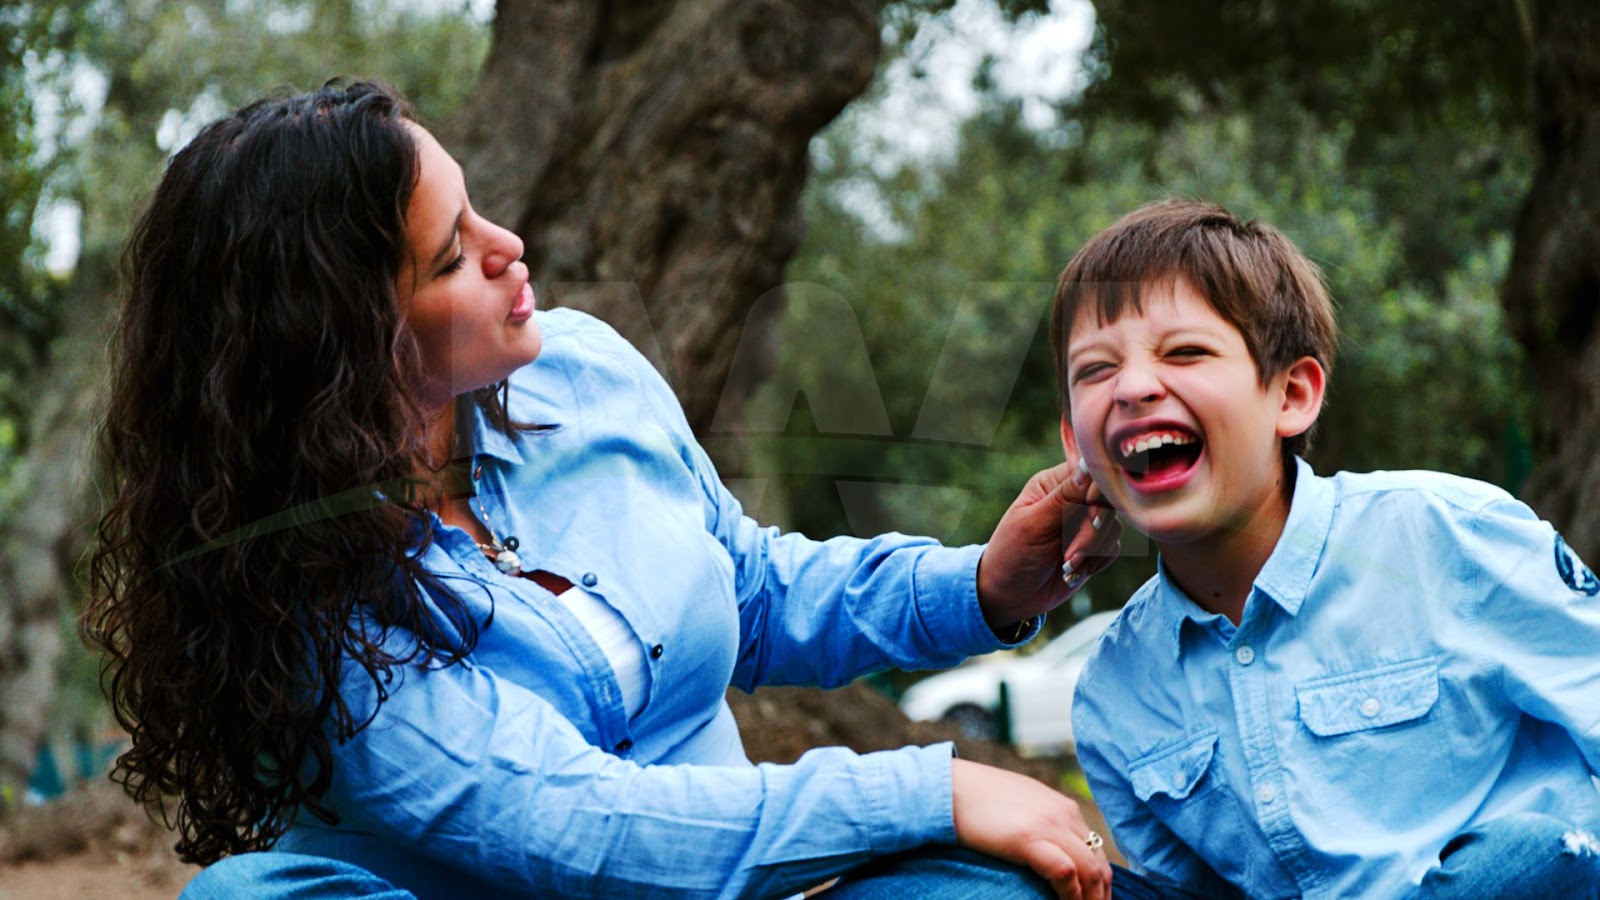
[
  {"x": 89, "y": 844},
  {"x": 94, "y": 844}
]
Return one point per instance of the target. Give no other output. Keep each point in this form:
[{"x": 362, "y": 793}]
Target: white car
[{"x": 1038, "y": 685}]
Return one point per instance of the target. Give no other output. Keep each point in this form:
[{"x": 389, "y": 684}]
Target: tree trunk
[
  {"x": 45, "y": 530},
  {"x": 1552, "y": 292},
  {"x": 651, "y": 154}
]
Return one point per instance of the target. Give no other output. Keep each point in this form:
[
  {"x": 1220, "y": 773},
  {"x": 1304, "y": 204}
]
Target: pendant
[
  {"x": 508, "y": 562},
  {"x": 505, "y": 556}
]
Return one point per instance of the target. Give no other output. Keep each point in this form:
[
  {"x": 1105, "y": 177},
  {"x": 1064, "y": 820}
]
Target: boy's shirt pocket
[
  {"x": 1373, "y": 698},
  {"x": 1379, "y": 731},
  {"x": 1183, "y": 782},
  {"x": 1173, "y": 770}
]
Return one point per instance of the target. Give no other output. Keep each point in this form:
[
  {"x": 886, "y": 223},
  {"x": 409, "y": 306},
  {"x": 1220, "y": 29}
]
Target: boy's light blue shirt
[
  {"x": 520, "y": 773},
  {"x": 1419, "y": 654}
]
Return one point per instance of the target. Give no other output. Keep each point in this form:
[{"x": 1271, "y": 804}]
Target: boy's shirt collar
[{"x": 1287, "y": 574}]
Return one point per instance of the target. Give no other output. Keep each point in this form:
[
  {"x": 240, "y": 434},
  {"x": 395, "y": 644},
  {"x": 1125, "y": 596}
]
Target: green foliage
[
  {"x": 171, "y": 66},
  {"x": 28, "y": 66},
  {"x": 1374, "y": 64}
]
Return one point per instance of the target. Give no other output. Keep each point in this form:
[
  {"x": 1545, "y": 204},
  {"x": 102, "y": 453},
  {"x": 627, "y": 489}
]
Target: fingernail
[
  {"x": 1095, "y": 522},
  {"x": 1069, "y": 569},
  {"x": 1083, "y": 465}
]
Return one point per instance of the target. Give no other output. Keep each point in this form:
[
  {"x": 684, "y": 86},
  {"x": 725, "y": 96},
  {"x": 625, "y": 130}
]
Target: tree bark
[
  {"x": 46, "y": 528},
  {"x": 651, "y": 154},
  {"x": 1552, "y": 291}
]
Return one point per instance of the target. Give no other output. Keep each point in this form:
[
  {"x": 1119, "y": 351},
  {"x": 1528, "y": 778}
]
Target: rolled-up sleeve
[{"x": 826, "y": 612}]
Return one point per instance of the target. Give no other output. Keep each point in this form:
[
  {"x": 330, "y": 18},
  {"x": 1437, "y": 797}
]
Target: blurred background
[{"x": 835, "y": 225}]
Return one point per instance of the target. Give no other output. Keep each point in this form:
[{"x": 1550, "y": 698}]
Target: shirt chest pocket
[
  {"x": 1184, "y": 785},
  {"x": 1369, "y": 699},
  {"x": 1173, "y": 771}
]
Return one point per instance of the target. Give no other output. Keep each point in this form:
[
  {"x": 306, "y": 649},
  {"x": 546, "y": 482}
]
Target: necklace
[{"x": 502, "y": 552}]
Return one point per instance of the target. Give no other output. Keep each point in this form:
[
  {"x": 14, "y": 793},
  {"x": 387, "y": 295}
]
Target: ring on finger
[{"x": 1094, "y": 840}]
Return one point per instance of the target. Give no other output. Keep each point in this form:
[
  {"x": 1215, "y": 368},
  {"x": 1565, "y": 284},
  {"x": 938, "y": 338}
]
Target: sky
[{"x": 1037, "y": 61}]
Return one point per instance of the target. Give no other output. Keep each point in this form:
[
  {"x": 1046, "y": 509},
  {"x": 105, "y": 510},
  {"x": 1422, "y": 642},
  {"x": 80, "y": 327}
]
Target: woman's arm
[{"x": 483, "y": 775}]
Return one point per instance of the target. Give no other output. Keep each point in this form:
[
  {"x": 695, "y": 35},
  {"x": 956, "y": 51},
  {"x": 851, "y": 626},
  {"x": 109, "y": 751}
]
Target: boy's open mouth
[{"x": 1155, "y": 456}]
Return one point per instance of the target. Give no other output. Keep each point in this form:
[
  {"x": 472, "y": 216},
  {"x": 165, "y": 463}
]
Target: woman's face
[{"x": 463, "y": 287}]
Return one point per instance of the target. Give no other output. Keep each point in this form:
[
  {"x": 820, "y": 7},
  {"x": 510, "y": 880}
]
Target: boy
[{"x": 1376, "y": 685}]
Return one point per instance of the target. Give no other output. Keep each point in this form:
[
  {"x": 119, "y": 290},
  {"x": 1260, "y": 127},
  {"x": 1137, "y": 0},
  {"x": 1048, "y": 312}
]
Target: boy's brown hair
[{"x": 1252, "y": 275}]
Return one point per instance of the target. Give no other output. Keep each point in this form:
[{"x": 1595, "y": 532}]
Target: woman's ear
[{"x": 1304, "y": 384}]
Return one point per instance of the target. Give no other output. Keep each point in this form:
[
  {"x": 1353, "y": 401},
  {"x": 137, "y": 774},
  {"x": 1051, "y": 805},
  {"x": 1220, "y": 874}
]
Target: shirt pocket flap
[
  {"x": 1175, "y": 769},
  {"x": 1373, "y": 698}
]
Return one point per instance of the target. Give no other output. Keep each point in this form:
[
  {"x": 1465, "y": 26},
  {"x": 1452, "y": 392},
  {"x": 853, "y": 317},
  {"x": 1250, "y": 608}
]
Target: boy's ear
[
  {"x": 1069, "y": 441},
  {"x": 1304, "y": 383}
]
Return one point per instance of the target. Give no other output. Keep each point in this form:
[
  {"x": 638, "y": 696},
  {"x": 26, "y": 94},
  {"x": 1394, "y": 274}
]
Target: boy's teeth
[{"x": 1151, "y": 442}]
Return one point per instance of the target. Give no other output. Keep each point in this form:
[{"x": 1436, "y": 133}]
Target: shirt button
[
  {"x": 1266, "y": 793},
  {"x": 1245, "y": 655},
  {"x": 590, "y": 579},
  {"x": 624, "y": 745},
  {"x": 656, "y": 651},
  {"x": 1370, "y": 707}
]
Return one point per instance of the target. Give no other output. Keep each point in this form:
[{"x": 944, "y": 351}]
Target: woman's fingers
[
  {"x": 1092, "y": 531},
  {"x": 1073, "y": 870},
  {"x": 1011, "y": 816},
  {"x": 1056, "y": 866}
]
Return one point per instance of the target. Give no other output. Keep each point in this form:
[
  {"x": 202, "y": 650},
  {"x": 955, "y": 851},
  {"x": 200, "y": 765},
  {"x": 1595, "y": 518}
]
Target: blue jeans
[
  {"x": 953, "y": 873},
  {"x": 930, "y": 873},
  {"x": 1526, "y": 856}
]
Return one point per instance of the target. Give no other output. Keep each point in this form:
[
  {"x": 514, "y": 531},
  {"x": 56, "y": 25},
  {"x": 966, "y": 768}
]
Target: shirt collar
[
  {"x": 1287, "y": 574},
  {"x": 486, "y": 439}
]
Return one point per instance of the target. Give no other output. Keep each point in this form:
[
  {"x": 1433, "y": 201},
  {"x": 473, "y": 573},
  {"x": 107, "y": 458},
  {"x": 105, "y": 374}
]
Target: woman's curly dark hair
[{"x": 260, "y": 440}]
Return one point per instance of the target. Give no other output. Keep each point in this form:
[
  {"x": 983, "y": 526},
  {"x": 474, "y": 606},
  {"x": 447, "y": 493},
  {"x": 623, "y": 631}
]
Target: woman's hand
[
  {"x": 1058, "y": 518},
  {"x": 1013, "y": 817}
]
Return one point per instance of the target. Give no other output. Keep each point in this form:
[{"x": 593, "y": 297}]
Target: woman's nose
[{"x": 505, "y": 248}]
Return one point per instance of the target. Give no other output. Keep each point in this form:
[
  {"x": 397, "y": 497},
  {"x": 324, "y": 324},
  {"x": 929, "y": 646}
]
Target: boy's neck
[{"x": 1219, "y": 571}]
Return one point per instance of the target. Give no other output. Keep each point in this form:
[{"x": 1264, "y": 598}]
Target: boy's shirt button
[
  {"x": 1266, "y": 793},
  {"x": 1370, "y": 707},
  {"x": 1245, "y": 656}
]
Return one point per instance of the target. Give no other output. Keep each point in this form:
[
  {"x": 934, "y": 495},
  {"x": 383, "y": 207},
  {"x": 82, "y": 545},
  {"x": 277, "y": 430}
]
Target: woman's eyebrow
[{"x": 449, "y": 245}]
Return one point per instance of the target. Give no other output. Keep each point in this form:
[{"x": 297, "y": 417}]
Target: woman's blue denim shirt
[{"x": 518, "y": 772}]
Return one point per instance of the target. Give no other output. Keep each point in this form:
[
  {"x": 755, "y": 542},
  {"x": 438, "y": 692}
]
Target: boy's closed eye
[{"x": 1091, "y": 372}]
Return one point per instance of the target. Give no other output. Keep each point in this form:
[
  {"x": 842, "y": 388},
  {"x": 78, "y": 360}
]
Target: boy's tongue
[{"x": 1160, "y": 463}]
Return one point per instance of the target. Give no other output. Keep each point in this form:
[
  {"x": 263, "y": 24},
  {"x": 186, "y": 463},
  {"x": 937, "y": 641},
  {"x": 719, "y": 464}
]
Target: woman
[{"x": 432, "y": 618}]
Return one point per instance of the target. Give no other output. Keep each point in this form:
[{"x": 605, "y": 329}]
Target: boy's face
[{"x": 1170, "y": 415}]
